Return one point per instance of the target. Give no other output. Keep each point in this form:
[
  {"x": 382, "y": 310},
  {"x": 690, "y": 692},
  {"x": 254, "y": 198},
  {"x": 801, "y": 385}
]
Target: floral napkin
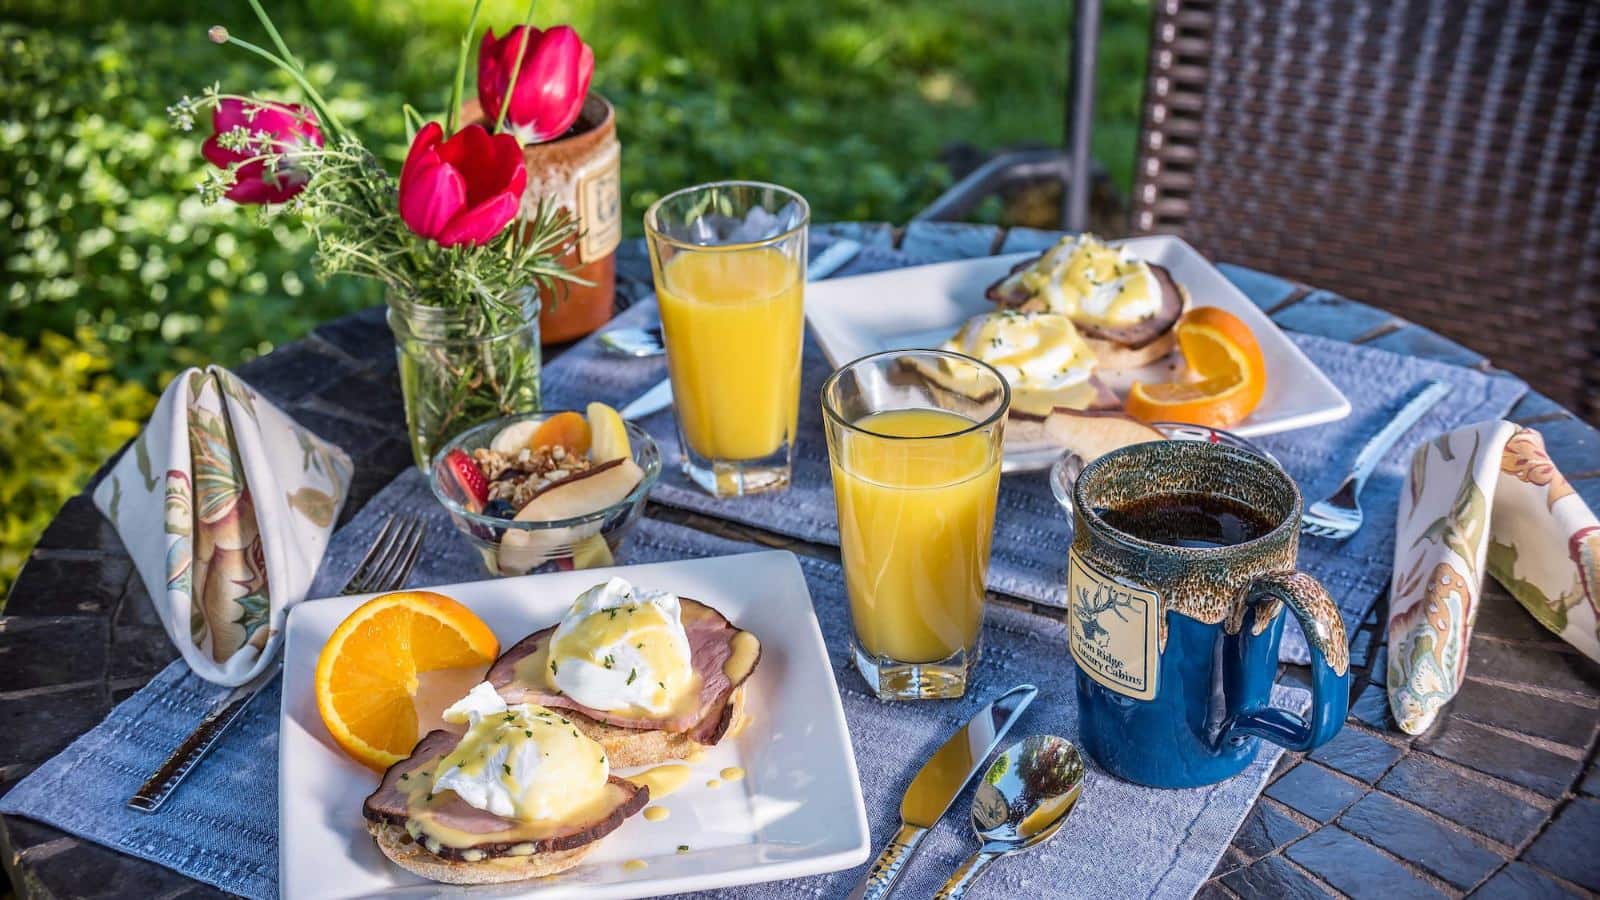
[
  {"x": 1486, "y": 495},
  {"x": 226, "y": 505}
]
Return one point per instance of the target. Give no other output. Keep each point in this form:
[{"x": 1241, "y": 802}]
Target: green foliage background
[{"x": 105, "y": 239}]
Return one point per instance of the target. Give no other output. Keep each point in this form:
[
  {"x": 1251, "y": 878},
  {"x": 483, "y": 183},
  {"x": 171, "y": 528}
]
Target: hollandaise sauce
[
  {"x": 1092, "y": 282},
  {"x": 733, "y": 322},
  {"x": 915, "y": 520},
  {"x": 662, "y": 780},
  {"x": 633, "y": 645},
  {"x": 1039, "y": 354},
  {"x": 745, "y": 649},
  {"x": 633, "y": 659},
  {"x": 528, "y": 766}
]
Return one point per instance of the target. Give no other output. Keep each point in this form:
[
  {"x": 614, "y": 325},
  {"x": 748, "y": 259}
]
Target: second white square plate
[
  {"x": 921, "y": 306},
  {"x": 797, "y": 811}
]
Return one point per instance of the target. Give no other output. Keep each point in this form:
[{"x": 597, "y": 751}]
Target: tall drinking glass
[
  {"x": 916, "y": 469},
  {"x": 729, "y": 262}
]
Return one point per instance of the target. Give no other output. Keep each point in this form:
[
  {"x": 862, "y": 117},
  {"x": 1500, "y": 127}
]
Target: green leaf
[
  {"x": 1552, "y": 614},
  {"x": 141, "y": 452},
  {"x": 315, "y": 505}
]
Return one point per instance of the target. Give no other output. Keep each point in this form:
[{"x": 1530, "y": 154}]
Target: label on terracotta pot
[{"x": 600, "y": 205}]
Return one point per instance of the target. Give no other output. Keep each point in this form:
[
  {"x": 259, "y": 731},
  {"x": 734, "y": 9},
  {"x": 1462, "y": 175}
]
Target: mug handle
[{"x": 1330, "y": 662}]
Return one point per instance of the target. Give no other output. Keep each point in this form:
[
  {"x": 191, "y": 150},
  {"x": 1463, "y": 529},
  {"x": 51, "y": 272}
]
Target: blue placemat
[
  {"x": 1032, "y": 532},
  {"x": 222, "y": 826}
]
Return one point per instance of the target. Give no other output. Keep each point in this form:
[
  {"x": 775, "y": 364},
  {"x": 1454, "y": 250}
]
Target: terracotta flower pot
[{"x": 581, "y": 170}]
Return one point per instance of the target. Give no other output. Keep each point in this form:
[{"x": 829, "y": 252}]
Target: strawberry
[{"x": 469, "y": 476}]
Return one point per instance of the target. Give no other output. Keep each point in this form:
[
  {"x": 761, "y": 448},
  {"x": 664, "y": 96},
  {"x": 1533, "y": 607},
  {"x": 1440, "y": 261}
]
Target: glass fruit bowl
[{"x": 580, "y": 522}]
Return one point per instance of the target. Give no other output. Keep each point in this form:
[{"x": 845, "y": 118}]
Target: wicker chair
[{"x": 1437, "y": 158}]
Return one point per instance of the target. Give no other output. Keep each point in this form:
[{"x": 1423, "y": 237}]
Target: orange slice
[
  {"x": 1227, "y": 374},
  {"x": 569, "y": 429},
  {"x": 367, "y": 673}
]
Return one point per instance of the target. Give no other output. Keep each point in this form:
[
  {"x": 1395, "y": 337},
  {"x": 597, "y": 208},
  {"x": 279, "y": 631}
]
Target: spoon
[
  {"x": 1021, "y": 803},
  {"x": 638, "y": 342}
]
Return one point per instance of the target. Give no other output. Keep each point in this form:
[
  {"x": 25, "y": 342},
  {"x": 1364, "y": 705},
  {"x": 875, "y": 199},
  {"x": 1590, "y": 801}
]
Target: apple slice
[
  {"x": 513, "y": 438},
  {"x": 585, "y": 492},
  {"x": 1093, "y": 433}
]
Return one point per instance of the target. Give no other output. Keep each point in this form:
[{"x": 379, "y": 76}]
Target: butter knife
[
  {"x": 155, "y": 791},
  {"x": 942, "y": 779},
  {"x": 827, "y": 262}
]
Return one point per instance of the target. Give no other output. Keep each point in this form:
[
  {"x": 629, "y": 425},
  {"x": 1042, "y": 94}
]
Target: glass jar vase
[{"x": 460, "y": 366}]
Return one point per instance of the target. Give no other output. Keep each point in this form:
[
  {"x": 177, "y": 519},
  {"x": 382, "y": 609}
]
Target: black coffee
[{"x": 1188, "y": 520}]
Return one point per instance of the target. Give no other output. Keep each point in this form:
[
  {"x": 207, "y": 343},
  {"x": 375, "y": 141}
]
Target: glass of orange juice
[
  {"x": 916, "y": 469},
  {"x": 729, "y": 261}
]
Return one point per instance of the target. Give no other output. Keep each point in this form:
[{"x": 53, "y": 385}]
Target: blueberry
[{"x": 500, "y": 509}]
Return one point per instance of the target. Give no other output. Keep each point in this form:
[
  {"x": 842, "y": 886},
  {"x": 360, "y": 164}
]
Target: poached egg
[
  {"x": 521, "y": 762},
  {"x": 622, "y": 648},
  {"x": 1034, "y": 351},
  {"x": 1086, "y": 279}
]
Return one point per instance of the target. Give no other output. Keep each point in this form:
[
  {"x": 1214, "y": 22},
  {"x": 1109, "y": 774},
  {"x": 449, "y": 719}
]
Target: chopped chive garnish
[
  {"x": 528, "y": 733},
  {"x": 683, "y": 848},
  {"x": 507, "y": 767},
  {"x": 632, "y": 674}
]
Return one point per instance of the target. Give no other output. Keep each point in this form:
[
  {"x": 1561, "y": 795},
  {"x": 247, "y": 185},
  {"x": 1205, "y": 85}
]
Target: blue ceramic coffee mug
[{"x": 1182, "y": 563}]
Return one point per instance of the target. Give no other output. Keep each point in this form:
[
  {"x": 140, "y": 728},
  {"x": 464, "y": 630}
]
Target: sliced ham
[
  {"x": 387, "y": 806},
  {"x": 710, "y": 645}
]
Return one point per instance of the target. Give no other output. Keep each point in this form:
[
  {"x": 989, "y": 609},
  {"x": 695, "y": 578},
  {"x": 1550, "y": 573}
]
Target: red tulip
[
  {"x": 274, "y": 128},
  {"x": 551, "y": 85},
  {"x": 462, "y": 191}
]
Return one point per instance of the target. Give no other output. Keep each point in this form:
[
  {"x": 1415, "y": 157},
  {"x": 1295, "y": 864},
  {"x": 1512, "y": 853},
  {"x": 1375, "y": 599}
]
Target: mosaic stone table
[{"x": 1500, "y": 799}]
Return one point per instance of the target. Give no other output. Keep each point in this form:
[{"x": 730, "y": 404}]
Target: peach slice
[{"x": 568, "y": 429}]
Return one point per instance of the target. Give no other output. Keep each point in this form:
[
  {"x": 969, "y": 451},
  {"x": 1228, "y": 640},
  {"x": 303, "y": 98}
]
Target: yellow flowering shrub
[{"x": 61, "y": 415}]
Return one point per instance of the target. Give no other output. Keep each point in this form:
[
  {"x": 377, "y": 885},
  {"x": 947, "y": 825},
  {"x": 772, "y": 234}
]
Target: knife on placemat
[
  {"x": 826, "y": 263},
  {"x": 943, "y": 777}
]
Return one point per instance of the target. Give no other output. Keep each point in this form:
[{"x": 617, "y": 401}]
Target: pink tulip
[
  {"x": 274, "y": 128},
  {"x": 551, "y": 85},
  {"x": 462, "y": 191}
]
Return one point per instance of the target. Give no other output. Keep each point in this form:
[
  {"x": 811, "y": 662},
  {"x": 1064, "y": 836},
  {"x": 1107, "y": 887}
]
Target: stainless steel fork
[
  {"x": 385, "y": 568},
  {"x": 387, "y": 565},
  {"x": 1339, "y": 516}
]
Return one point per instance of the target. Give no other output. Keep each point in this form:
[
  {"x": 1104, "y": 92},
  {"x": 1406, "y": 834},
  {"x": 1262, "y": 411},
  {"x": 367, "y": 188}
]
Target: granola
[{"x": 518, "y": 478}]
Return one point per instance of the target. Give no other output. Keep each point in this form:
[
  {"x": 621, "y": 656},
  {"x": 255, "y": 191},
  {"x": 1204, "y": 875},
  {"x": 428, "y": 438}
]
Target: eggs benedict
[
  {"x": 522, "y": 793},
  {"x": 1041, "y": 355},
  {"x": 1124, "y": 307},
  {"x": 649, "y": 675}
]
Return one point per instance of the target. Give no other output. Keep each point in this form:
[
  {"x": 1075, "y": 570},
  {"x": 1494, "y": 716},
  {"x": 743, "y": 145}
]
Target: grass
[{"x": 850, "y": 102}]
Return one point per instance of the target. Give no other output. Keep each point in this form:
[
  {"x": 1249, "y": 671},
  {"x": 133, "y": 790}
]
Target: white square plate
[
  {"x": 922, "y": 306},
  {"x": 798, "y": 810}
]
